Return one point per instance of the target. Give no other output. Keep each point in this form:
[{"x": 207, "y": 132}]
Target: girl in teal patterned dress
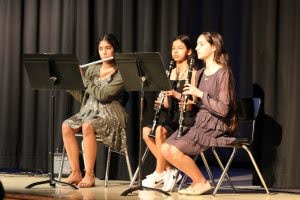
[{"x": 101, "y": 114}]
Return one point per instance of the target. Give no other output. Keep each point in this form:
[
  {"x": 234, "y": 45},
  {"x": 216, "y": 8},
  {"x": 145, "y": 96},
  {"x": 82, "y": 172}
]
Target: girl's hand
[
  {"x": 192, "y": 90},
  {"x": 81, "y": 71},
  {"x": 160, "y": 100},
  {"x": 156, "y": 105},
  {"x": 188, "y": 106},
  {"x": 174, "y": 94}
]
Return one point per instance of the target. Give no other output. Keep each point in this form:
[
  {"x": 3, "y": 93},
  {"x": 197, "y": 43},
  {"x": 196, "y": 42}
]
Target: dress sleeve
[
  {"x": 108, "y": 92},
  {"x": 219, "y": 105}
]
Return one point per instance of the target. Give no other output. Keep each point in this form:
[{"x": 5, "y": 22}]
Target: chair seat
[{"x": 240, "y": 141}]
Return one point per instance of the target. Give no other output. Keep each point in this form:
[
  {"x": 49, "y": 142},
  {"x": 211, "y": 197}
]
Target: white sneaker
[
  {"x": 170, "y": 179},
  {"x": 153, "y": 180}
]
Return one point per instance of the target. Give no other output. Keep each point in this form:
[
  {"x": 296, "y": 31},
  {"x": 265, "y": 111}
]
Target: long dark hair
[{"x": 221, "y": 57}]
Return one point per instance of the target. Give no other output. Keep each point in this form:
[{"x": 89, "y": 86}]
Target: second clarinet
[
  {"x": 161, "y": 97},
  {"x": 182, "y": 110}
]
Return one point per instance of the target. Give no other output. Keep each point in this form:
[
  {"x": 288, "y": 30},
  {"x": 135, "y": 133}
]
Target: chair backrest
[{"x": 248, "y": 109}]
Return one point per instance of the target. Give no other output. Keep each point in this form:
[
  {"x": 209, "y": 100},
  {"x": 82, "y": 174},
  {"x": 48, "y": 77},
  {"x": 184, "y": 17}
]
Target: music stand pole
[
  {"x": 140, "y": 186},
  {"x": 143, "y": 79},
  {"x": 52, "y": 180}
]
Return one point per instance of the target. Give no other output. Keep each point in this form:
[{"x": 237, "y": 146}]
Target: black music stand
[
  {"x": 142, "y": 72},
  {"x": 52, "y": 72}
]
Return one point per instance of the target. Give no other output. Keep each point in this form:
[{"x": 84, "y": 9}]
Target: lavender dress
[{"x": 210, "y": 123}]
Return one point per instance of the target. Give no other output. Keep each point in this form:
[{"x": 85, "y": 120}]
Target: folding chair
[
  {"x": 248, "y": 111},
  {"x": 125, "y": 153},
  {"x": 208, "y": 172}
]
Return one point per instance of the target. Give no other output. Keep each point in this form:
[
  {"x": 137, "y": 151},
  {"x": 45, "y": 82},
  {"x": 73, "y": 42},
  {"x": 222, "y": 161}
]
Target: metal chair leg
[
  {"x": 182, "y": 181},
  {"x": 61, "y": 164},
  {"x": 138, "y": 168},
  {"x": 109, "y": 150},
  {"x": 82, "y": 148},
  {"x": 222, "y": 167},
  {"x": 208, "y": 169},
  {"x": 225, "y": 170},
  {"x": 128, "y": 164},
  {"x": 176, "y": 177},
  {"x": 256, "y": 168},
  {"x": 107, "y": 166}
]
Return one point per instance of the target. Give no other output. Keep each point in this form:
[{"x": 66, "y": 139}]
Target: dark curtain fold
[
  {"x": 231, "y": 19},
  {"x": 276, "y": 68},
  {"x": 10, "y": 61},
  {"x": 261, "y": 38}
]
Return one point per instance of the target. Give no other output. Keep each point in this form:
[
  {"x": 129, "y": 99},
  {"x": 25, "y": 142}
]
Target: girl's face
[
  {"x": 179, "y": 51},
  {"x": 105, "y": 49},
  {"x": 204, "y": 49}
]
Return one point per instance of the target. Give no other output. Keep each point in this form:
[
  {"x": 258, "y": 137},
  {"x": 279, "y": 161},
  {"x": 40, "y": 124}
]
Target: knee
[
  {"x": 87, "y": 129},
  {"x": 176, "y": 154},
  {"x": 165, "y": 150},
  {"x": 146, "y": 132},
  {"x": 65, "y": 129},
  {"x": 160, "y": 134},
  {"x": 170, "y": 151}
]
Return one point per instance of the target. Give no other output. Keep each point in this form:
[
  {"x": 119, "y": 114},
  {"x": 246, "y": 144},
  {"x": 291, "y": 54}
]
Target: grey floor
[{"x": 15, "y": 183}]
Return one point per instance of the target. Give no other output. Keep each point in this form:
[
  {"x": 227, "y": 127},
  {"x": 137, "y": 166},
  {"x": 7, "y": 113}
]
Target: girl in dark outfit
[
  {"x": 169, "y": 116},
  {"x": 216, "y": 98}
]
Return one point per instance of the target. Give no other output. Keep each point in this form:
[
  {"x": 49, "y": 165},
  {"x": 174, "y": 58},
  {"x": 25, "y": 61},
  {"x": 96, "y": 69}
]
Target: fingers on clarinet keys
[
  {"x": 180, "y": 105},
  {"x": 156, "y": 105},
  {"x": 186, "y": 90}
]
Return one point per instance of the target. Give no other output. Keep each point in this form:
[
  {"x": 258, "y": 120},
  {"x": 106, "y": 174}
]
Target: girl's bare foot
[
  {"x": 88, "y": 181},
  {"x": 75, "y": 177}
]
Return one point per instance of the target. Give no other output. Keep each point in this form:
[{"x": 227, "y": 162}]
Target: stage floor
[{"x": 14, "y": 186}]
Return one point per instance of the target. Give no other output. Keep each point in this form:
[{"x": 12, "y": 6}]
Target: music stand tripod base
[
  {"x": 130, "y": 190},
  {"x": 51, "y": 182}
]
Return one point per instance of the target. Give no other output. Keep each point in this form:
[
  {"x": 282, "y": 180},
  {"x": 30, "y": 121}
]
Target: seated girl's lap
[{"x": 186, "y": 144}]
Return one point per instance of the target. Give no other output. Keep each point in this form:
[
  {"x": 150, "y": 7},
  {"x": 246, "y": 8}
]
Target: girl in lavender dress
[{"x": 216, "y": 98}]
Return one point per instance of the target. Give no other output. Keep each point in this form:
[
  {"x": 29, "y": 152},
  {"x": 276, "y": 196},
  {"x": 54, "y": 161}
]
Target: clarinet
[
  {"x": 161, "y": 98},
  {"x": 181, "y": 116}
]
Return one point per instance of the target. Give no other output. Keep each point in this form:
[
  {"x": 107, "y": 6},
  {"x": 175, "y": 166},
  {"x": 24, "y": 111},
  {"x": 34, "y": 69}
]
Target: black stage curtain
[{"x": 260, "y": 36}]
